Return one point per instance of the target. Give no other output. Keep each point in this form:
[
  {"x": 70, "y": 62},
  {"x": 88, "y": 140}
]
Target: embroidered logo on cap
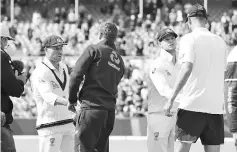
[{"x": 59, "y": 40}]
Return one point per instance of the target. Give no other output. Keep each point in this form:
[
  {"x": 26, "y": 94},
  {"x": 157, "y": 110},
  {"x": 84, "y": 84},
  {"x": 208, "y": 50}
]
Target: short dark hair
[{"x": 109, "y": 30}]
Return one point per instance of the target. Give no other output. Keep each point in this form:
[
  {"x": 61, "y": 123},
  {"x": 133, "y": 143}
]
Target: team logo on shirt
[
  {"x": 114, "y": 58},
  {"x": 52, "y": 141},
  {"x": 156, "y": 135},
  {"x": 167, "y": 72},
  {"x": 153, "y": 71},
  {"x": 55, "y": 86}
]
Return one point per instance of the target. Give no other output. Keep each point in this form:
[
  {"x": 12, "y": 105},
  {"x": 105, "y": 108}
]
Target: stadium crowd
[{"x": 135, "y": 42}]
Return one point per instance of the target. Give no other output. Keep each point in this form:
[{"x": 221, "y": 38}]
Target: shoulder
[
  {"x": 92, "y": 50},
  {"x": 156, "y": 64},
  {"x": 4, "y": 57},
  {"x": 232, "y": 57},
  {"x": 187, "y": 39},
  {"x": 40, "y": 71}
]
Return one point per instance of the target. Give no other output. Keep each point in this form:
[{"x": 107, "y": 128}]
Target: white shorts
[
  {"x": 57, "y": 139},
  {"x": 160, "y": 132}
]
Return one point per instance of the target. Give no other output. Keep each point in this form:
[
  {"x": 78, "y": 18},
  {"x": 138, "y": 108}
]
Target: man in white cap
[
  {"x": 231, "y": 93},
  {"x": 12, "y": 84}
]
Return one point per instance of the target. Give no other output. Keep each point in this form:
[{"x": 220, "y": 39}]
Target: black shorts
[{"x": 193, "y": 125}]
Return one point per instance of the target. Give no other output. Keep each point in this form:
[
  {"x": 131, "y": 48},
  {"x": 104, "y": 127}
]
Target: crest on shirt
[
  {"x": 156, "y": 135},
  {"x": 167, "y": 72},
  {"x": 55, "y": 85},
  {"x": 115, "y": 61},
  {"x": 153, "y": 71},
  {"x": 52, "y": 141},
  {"x": 114, "y": 57}
]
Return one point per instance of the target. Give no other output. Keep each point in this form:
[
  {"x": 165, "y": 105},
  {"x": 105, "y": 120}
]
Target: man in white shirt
[
  {"x": 201, "y": 76},
  {"x": 50, "y": 85},
  {"x": 161, "y": 77},
  {"x": 231, "y": 93}
]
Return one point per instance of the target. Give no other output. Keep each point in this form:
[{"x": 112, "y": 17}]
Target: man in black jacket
[
  {"x": 12, "y": 84},
  {"x": 103, "y": 69}
]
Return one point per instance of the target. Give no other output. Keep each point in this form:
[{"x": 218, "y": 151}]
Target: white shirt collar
[{"x": 165, "y": 55}]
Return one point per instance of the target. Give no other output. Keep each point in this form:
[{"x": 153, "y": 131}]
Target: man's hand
[
  {"x": 71, "y": 107},
  {"x": 168, "y": 106}
]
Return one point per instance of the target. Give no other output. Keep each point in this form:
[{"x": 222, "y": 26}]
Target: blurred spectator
[
  {"x": 63, "y": 14},
  {"x": 71, "y": 16},
  {"x": 225, "y": 20}
]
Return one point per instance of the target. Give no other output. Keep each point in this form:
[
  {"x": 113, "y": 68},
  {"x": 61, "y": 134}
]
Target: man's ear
[{"x": 100, "y": 36}]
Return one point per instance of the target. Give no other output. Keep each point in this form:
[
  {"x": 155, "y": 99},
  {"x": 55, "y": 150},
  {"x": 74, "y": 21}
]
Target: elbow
[{"x": 187, "y": 68}]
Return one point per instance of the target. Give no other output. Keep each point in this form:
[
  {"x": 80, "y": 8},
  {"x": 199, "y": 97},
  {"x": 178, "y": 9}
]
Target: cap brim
[
  {"x": 173, "y": 34},
  {"x": 10, "y": 38},
  {"x": 59, "y": 44},
  {"x": 205, "y": 16}
]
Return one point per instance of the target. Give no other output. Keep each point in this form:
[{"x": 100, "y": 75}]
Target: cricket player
[
  {"x": 102, "y": 67},
  {"x": 200, "y": 114},
  {"x": 50, "y": 83},
  {"x": 231, "y": 92},
  {"x": 162, "y": 75}
]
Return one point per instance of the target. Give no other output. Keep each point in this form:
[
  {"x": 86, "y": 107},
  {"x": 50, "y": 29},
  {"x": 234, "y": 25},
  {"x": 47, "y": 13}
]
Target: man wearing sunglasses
[
  {"x": 161, "y": 77},
  {"x": 50, "y": 81},
  {"x": 12, "y": 84}
]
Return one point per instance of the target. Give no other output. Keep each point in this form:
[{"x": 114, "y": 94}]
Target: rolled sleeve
[
  {"x": 186, "y": 49},
  {"x": 158, "y": 78}
]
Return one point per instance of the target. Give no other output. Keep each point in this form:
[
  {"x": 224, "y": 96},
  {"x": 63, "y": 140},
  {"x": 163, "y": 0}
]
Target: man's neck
[
  {"x": 173, "y": 53},
  {"x": 198, "y": 26},
  {"x": 55, "y": 64}
]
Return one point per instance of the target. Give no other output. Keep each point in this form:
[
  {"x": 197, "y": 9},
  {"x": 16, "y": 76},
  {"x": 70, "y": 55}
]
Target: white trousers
[
  {"x": 58, "y": 142},
  {"x": 160, "y": 132}
]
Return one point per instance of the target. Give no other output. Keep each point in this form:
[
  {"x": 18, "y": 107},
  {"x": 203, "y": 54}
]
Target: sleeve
[
  {"x": 10, "y": 84},
  {"x": 44, "y": 88},
  {"x": 158, "y": 78},
  {"x": 186, "y": 51},
  {"x": 81, "y": 67}
]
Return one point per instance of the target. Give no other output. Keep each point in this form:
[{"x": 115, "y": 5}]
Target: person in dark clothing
[
  {"x": 12, "y": 84},
  {"x": 102, "y": 69}
]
